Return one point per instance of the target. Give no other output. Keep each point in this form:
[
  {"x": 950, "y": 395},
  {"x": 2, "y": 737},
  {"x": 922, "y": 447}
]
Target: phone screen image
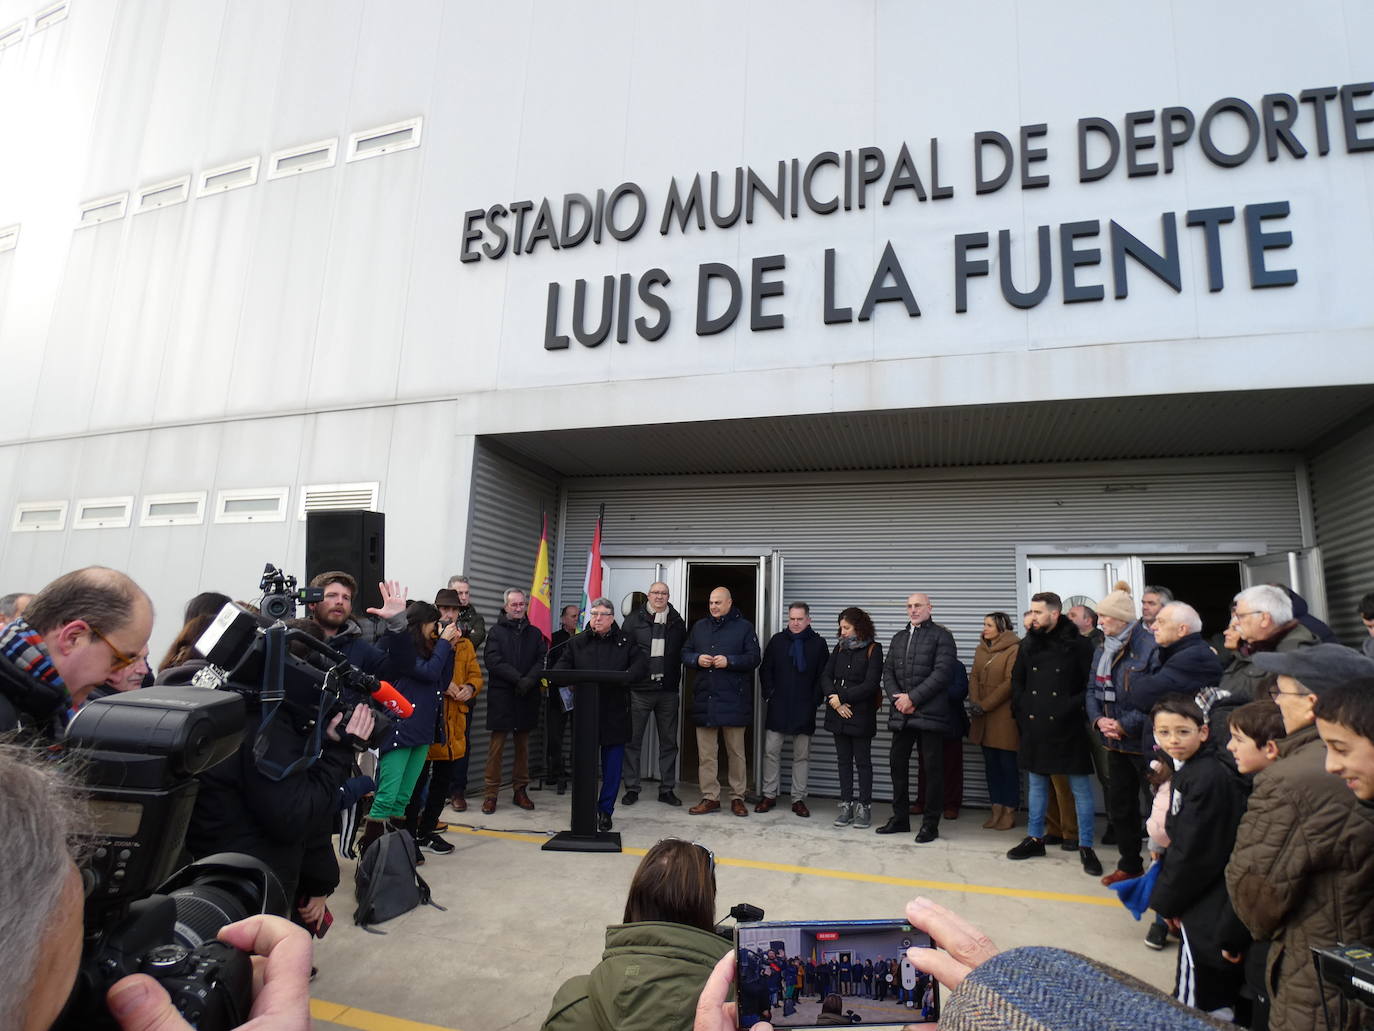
[{"x": 829, "y": 973}]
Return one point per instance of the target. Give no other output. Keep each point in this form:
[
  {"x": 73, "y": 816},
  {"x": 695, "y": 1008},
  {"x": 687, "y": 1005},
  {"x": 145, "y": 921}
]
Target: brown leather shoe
[
  {"x": 1116, "y": 876},
  {"x": 706, "y": 805},
  {"x": 951, "y": 814},
  {"x": 915, "y": 809},
  {"x": 738, "y": 807},
  {"x": 522, "y": 799},
  {"x": 765, "y": 804},
  {"x": 800, "y": 809},
  {"x": 489, "y": 806},
  {"x": 458, "y": 804}
]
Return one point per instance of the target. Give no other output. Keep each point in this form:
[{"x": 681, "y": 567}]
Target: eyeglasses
[
  {"x": 1241, "y": 615},
  {"x": 602, "y": 613},
  {"x": 1275, "y": 691},
  {"x": 121, "y": 660}
]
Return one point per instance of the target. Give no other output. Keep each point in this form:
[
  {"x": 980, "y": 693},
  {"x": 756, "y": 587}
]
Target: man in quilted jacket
[{"x": 1302, "y": 872}]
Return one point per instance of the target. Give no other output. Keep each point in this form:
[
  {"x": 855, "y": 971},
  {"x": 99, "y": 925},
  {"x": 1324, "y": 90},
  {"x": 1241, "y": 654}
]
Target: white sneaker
[
  {"x": 846, "y": 815},
  {"x": 863, "y": 816}
]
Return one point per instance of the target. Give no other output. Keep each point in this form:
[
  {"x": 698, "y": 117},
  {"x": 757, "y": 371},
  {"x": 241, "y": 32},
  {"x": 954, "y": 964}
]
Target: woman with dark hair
[
  {"x": 832, "y": 1012},
  {"x": 404, "y": 751},
  {"x": 992, "y": 725},
  {"x": 182, "y": 660},
  {"x": 658, "y": 960},
  {"x": 854, "y": 678},
  {"x": 206, "y": 603}
]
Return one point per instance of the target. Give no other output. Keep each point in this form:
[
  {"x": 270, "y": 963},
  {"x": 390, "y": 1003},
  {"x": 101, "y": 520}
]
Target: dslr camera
[
  {"x": 281, "y": 596},
  {"x": 140, "y": 753}
]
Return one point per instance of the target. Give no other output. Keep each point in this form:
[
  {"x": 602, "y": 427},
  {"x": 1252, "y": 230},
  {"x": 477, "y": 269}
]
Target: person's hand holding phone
[
  {"x": 713, "y": 1012},
  {"x": 962, "y": 946}
]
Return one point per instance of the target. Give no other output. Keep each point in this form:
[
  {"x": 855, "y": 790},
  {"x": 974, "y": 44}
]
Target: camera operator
[
  {"x": 241, "y": 809},
  {"x": 83, "y": 628},
  {"x": 41, "y": 906},
  {"x": 393, "y": 655}
]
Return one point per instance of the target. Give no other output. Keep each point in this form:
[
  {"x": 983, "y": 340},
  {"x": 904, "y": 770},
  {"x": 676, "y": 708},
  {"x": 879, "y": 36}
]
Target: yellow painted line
[
  {"x": 1109, "y": 900},
  {"x": 366, "y": 1020}
]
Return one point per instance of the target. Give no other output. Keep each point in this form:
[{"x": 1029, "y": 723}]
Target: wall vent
[
  {"x": 335, "y": 497},
  {"x": 385, "y": 139},
  {"x": 103, "y": 513},
  {"x": 308, "y": 157},
  {"x": 104, "y": 209},
  {"x": 39, "y": 516},
  {"x": 9, "y": 238},
  {"x": 11, "y": 34},
  {"x": 251, "y": 505},
  {"x": 162, "y": 195},
  {"x": 50, "y": 15},
  {"x": 184, "y": 509},
  {"x": 228, "y": 177}
]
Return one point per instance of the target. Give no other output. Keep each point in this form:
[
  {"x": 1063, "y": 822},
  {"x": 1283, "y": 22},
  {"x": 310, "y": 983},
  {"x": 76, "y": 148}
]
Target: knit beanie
[{"x": 1119, "y": 604}]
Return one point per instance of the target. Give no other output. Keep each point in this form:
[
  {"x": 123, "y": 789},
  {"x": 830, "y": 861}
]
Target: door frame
[{"x": 1136, "y": 552}]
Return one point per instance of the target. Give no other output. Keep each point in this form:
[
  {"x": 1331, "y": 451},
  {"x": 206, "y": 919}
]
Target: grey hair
[
  {"x": 505, "y": 597},
  {"x": 40, "y": 815},
  {"x": 9, "y": 604},
  {"x": 1185, "y": 614},
  {"x": 458, "y": 578},
  {"x": 604, "y": 603},
  {"x": 1266, "y": 598},
  {"x": 1163, "y": 593}
]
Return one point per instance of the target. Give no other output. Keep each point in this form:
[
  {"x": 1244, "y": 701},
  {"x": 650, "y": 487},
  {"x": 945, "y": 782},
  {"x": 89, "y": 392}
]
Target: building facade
[{"x": 823, "y": 301}]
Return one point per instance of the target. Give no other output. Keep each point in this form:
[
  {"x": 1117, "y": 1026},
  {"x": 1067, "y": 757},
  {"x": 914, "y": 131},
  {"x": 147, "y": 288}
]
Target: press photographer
[
  {"x": 78, "y": 631},
  {"x": 41, "y": 905}
]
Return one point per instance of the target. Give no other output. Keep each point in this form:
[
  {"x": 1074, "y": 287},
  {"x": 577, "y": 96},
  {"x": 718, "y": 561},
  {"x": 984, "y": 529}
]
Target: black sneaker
[
  {"x": 1028, "y": 848},
  {"x": 1091, "y": 864},
  {"x": 437, "y": 845},
  {"x": 1157, "y": 936},
  {"x": 631, "y": 797}
]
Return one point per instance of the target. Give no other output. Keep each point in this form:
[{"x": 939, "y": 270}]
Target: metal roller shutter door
[
  {"x": 851, "y": 540},
  {"x": 503, "y": 535},
  {"x": 1342, "y": 479}
]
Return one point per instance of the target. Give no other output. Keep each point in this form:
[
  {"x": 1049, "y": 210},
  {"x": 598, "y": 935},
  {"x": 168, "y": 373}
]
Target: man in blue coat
[
  {"x": 1184, "y": 664},
  {"x": 725, "y": 649},
  {"x": 791, "y": 673}
]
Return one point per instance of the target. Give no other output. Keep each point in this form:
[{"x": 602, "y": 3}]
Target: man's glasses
[{"x": 121, "y": 659}]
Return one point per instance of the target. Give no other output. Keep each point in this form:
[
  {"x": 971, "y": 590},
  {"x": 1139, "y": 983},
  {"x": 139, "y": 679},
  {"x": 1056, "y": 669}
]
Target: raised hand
[{"x": 393, "y": 599}]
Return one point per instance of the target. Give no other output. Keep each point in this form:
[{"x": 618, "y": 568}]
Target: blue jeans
[
  {"x": 1004, "y": 788},
  {"x": 612, "y": 758},
  {"x": 1081, "y": 783}
]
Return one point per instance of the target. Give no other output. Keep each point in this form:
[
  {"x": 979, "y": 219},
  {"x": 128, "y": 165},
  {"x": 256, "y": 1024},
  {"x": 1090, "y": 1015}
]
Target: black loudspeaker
[{"x": 353, "y": 541}]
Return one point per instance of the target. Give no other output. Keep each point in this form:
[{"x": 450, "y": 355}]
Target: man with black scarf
[{"x": 660, "y": 632}]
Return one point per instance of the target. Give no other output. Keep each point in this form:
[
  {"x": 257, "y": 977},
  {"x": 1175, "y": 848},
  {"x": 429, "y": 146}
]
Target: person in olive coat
[
  {"x": 853, "y": 695},
  {"x": 604, "y": 646},
  {"x": 792, "y": 675}
]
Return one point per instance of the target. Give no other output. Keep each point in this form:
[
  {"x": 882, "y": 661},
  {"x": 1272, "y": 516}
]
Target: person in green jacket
[{"x": 657, "y": 961}]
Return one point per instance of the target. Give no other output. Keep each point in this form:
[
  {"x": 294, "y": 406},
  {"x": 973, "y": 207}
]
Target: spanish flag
[{"x": 541, "y": 588}]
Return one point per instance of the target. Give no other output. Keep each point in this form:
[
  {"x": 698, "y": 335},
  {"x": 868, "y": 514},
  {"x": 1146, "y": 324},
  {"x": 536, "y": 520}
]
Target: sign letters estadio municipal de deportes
[{"x": 1141, "y": 144}]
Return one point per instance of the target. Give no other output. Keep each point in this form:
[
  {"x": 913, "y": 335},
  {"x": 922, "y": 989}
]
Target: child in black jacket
[{"x": 1206, "y": 803}]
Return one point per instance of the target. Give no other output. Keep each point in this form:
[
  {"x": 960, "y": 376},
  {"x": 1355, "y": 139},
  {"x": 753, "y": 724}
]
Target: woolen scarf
[
  {"x": 799, "y": 649},
  {"x": 656, "y": 648},
  {"x": 1111, "y": 644}
]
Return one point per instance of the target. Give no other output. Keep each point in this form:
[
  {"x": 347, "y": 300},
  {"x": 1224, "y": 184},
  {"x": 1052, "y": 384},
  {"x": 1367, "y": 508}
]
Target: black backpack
[{"x": 386, "y": 883}]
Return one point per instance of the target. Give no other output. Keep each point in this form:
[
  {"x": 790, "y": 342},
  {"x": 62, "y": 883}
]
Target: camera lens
[{"x": 222, "y": 890}]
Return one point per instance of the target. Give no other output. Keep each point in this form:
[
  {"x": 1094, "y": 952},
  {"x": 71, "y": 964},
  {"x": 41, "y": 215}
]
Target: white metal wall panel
[
  {"x": 503, "y": 535},
  {"x": 870, "y": 541},
  {"x": 1342, "y": 479}
]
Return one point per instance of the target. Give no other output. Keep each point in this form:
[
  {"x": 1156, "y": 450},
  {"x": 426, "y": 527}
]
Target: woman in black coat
[{"x": 853, "y": 679}]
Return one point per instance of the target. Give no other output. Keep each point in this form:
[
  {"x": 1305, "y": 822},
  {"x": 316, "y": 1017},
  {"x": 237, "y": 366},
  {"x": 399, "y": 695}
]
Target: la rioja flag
[
  {"x": 541, "y": 588},
  {"x": 591, "y": 582}
]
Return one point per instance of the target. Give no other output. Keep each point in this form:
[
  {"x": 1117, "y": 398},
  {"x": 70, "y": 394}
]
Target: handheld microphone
[{"x": 393, "y": 701}]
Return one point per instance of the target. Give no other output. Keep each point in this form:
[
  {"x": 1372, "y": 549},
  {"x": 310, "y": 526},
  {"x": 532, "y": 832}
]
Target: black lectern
[{"x": 583, "y": 837}]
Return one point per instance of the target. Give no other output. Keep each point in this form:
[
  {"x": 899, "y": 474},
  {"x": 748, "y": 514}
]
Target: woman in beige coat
[{"x": 992, "y": 725}]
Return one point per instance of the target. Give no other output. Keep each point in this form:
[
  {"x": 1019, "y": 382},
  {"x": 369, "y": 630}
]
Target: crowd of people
[{"x": 1241, "y": 768}]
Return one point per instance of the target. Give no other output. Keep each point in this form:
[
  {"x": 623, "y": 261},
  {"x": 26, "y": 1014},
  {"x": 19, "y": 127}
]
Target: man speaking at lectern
[{"x": 604, "y": 647}]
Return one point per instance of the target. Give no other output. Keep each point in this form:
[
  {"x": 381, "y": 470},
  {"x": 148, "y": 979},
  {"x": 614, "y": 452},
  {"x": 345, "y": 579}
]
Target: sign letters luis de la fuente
[{"x": 1142, "y": 144}]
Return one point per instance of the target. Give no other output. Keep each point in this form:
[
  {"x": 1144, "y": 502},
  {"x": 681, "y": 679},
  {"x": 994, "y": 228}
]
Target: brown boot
[
  {"x": 1007, "y": 820},
  {"x": 522, "y": 799},
  {"x": 993, "y": 817},
  {"x": 372, "y": 830}
]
